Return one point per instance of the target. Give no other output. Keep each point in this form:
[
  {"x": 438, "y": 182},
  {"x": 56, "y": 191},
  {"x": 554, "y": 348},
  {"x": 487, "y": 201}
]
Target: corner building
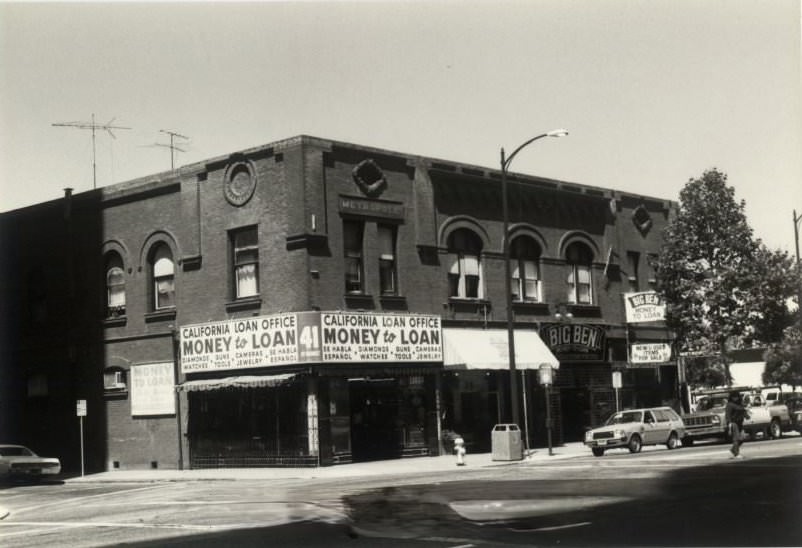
[{"x": 312, "y": 302}]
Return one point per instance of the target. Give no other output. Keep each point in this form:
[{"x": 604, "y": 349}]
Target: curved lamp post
[
  {"x": 797, "y": 220},
  {"x": 505, "y": 164}
]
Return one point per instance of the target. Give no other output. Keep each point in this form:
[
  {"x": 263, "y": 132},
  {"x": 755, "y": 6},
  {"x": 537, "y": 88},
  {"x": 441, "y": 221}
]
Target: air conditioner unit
[{"x": 114, "y": 380}]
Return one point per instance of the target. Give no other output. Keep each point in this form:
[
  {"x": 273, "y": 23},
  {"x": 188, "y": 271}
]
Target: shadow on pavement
[{"x": 755, "y": 502}]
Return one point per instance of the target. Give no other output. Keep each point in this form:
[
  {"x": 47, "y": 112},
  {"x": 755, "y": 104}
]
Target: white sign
[
  {"x": 310, "y": 337},
  {"x": 646, "y": 306},
  {"x": 617, "y": 379},
  {"x": 650, "y": 353},
  {"x": 261, "y": 341},
  {"x": 80, "y": 408},
  {"x": 355, "y": 337},
  {"x": 153, "y": 389}
]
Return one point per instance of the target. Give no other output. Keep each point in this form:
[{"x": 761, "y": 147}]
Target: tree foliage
[
  {"x": 784, "y": 359},
  {"x": 721, "y": 285}
]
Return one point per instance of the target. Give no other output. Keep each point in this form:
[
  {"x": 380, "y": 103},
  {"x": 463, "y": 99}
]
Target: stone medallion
[{"x": 240, "y": 183}]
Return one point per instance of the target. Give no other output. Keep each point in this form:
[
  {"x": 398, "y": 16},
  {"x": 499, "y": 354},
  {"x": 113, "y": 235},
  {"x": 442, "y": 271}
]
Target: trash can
[{"x": 506, "y": 442}]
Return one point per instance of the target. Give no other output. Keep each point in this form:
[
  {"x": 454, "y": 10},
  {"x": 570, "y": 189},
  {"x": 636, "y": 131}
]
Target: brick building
[{"x": 310, "y": 302}]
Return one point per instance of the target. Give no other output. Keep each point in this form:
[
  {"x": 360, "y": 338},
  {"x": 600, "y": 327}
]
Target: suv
[{"x": 635, "y": 428}]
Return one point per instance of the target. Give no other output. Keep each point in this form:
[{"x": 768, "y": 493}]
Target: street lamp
[
  {"x": 796, "y": 236},
  {"x": 797, "y": 219},
  {"x": 505, "y": 164},
  {"x": 546, "y": 379}
]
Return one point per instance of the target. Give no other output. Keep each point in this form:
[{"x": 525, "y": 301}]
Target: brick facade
[{"x": 57, "y": 333}]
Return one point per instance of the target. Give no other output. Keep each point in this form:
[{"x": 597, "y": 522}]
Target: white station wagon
[{"x": 635, "y": 428}]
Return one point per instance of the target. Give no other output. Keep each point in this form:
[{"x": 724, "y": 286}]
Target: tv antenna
[
  {"x": 93, "y": 126},
  {"x": 172, "y": 146}
]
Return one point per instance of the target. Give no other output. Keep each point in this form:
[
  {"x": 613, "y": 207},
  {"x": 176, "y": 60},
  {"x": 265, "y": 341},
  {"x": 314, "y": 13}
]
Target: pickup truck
[
  {"x": 786, "y": 407},
  {"x": 707, "y": 422}
]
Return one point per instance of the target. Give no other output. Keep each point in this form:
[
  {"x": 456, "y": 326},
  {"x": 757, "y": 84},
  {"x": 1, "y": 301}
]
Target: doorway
[{"x": 375, "y": 430}]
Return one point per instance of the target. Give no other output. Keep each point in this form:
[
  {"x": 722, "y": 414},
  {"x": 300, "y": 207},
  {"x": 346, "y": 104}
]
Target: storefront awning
[
  {"x": 243, "y": 381},
  {"x": 487, "y": 349}
]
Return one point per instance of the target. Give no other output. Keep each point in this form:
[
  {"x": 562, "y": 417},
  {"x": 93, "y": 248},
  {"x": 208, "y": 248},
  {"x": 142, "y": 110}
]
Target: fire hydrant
[{"x": 459, "y": 450}]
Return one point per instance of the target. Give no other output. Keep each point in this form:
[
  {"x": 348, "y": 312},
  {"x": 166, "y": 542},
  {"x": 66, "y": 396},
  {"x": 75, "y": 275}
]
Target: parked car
[
  {"x": 19, "y": 462},
  {"x": 635, "y": 428}
]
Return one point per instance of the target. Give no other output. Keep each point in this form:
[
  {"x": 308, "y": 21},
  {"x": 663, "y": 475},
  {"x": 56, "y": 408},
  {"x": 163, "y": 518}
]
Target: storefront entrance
[
  {"x": 249, "y": 427},
  {"x": 375, "y": 424}
]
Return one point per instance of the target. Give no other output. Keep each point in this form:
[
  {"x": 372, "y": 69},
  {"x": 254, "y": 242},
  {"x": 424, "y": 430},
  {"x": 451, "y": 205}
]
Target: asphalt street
[{"x": 686, "y": 497}]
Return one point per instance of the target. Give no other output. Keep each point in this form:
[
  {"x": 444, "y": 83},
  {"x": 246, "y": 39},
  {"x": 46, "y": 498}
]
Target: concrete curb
[{"x": 445, "y": 464}]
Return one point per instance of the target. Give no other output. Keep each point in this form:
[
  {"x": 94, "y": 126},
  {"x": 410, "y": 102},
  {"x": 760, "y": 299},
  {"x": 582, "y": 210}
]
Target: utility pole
[{"x": 93, "y": 126}]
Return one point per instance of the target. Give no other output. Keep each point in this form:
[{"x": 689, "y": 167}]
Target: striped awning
[{"x": 242, "y": 381}]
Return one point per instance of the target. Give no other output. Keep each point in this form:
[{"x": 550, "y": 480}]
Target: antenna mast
[
  {"x": 93, "y": 126},
  {"x": 172, "y": 145}
]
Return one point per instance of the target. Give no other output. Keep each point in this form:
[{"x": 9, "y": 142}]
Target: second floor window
[
  {"x": 246, "y": 263},
  {"x": 163, "y": 278},
  {"x": 633, "y": 260},
  {"x": 115, "y": 286},
  {"x": 352, "y": 248},
  {"x": 579, "y": 258},
  {"x": 465, "y": 272},
  {"x": 651, "y": 261},
  {"x": 525, "y": 269},
  {"x": 387, "y": 267}
]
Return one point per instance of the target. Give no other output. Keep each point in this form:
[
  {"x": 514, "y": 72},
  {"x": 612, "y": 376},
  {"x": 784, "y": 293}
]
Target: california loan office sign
[{"x": 310, "y": 337}]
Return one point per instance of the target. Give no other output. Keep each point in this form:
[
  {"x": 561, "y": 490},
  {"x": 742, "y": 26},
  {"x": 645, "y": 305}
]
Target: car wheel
[
  {"x": 687, "y": 442},
  {"x": 635, "y": 444},
  {"x": 597, "y": 451},
  {"x": 775, "y": 430},
  {"x": 673, "y": 441}
]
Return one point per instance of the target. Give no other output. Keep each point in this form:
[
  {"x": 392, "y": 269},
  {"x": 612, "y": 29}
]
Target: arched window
[
  {"x": 163, "y": 277},
  {"x": 465, "y": 272},
  {"x": 525, "y": 269},
  {"x": 579, "y": 258},
  {"x": 115, "y": 286}
]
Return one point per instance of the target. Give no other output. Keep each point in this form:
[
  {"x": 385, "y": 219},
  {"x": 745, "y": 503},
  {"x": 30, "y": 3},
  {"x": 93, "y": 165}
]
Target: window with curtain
[
  {"x": 387, "y": 262},
  {"x": 115, "y": 286},
  {"x": 352, "y": 246},
  {"x": 633, "y": 262},
  {"x": 525, "y": 269},
  {"x": 651, "y": 261},
  {"x": 245, "y": 244},
  {"x": 579, "y": 258},
  {"x": 465, "y": 273},
  {"x": 163, "y": 278}
]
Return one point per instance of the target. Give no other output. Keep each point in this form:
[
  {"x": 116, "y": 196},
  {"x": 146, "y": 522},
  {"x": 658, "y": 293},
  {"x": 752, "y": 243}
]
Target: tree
[
  {"x": 774, "y": 278},
  {"x": 784, "y": 359},
  {"x": 720, "y": 284}
]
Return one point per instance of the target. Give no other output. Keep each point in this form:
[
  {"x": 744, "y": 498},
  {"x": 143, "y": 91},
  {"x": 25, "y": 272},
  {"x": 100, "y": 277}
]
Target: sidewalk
[{"x": 443, "y": 463}]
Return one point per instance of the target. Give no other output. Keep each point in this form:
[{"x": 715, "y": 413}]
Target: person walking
[{"x": 734, "y": 415}]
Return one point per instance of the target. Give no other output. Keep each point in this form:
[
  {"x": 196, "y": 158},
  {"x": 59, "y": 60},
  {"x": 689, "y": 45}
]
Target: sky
[{"x": 653, "y": 92}]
